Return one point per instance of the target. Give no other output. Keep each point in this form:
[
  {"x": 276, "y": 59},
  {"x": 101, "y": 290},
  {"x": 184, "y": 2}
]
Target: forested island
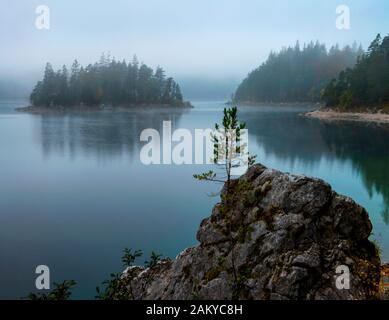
[
  {"x": 296, "y": 74},
  {"x": 107, "y": 83}
]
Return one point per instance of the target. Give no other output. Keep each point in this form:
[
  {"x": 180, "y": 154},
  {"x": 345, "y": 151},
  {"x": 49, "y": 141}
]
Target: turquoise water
[{"x": 74, "y": 193}]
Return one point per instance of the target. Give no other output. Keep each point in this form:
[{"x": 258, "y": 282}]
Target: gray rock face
[{"x": 273, "y": 236}]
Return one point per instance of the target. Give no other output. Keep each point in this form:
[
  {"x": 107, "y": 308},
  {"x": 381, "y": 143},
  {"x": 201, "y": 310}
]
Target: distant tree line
[
  {"x": 296, "y": 74},
  {"x": 107, "y": 82},
  {"x": 365, "y": 85}
]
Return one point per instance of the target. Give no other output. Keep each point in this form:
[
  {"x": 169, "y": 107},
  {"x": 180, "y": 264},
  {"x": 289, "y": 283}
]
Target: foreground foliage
[
  {"x": 61, "y": 291},
  {"x": 119, "y": 286}
]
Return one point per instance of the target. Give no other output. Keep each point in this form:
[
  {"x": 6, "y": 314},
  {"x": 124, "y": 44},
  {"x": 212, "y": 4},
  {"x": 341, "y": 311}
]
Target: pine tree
[
  {"x": 107, "y": 82},
  {"x": 296, "y": 74},
  {"x": 366, "y": 84}
]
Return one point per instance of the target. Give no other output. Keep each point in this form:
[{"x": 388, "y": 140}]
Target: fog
[{"x": 195, "y": 41}]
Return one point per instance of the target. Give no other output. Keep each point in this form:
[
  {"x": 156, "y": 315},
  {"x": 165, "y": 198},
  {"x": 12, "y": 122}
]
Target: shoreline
[
  {"x": 332, "y": 115},
  {"x": 277, "y": 104},
  {"x": 59, "y": 110}
]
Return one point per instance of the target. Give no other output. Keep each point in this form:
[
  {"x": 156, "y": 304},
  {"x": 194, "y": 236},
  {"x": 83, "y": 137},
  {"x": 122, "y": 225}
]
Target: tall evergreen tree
[{"x": 364, "y": 85}]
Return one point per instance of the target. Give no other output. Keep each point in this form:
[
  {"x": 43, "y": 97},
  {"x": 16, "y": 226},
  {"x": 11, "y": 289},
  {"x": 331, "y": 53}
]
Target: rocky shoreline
[
  {"x": 334, "y": 115},
  {"x": 275, "y": 236},
  {"x": 275, "y": 104}
]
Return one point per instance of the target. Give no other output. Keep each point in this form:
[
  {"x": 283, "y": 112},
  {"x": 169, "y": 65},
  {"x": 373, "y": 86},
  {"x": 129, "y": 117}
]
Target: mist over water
[{"x": 212, "y": 41}]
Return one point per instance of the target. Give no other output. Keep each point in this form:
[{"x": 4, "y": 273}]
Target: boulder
[{"x": 273, "y": 236}]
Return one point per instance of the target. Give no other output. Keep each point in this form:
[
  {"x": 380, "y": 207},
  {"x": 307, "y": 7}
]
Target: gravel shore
[{"x": 348, "y": 116}]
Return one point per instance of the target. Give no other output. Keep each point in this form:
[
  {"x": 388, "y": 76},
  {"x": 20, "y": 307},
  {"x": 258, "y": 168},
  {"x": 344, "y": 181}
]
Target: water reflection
[
  {"x": 103, "y": 135},
  {"x": 77, "y": 215},
  {"x": 293, "y": 138},
  {"x": 288, "y": 136},
  {"x": 367, "y": 146},
  {"x": 281, "y": 133}
]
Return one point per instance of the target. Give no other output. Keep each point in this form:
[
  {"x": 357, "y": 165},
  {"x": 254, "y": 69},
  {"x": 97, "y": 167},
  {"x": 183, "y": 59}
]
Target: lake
[{"x": 74, "y": 193}]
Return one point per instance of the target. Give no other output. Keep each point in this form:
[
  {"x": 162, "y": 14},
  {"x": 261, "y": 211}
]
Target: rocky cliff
[{"x": 273, "y": 236}]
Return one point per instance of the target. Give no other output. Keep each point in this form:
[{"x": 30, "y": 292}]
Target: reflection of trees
[
  {"x": 283, "y": 134},
  {"x": 367, "y": 146},
  {"x": 290, "y": 137},
  {"x": 105, "y": 134}
]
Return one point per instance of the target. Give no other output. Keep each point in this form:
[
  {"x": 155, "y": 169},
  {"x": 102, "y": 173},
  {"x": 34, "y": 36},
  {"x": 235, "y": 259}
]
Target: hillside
[{"x": 296, "y": 74}]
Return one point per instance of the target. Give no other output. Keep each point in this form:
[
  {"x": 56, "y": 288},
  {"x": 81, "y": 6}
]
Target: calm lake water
[{"x": 73, "y": 192}]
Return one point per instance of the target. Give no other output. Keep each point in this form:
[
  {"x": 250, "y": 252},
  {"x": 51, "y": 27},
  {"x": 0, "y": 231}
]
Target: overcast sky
[{"x": 215, "y": 38}]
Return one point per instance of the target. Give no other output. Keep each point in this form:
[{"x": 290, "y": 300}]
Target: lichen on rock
[{"x": 274, "y": 236}]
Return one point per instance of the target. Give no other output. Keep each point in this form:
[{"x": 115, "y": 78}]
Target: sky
[{"x": 215, "y": 39}]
